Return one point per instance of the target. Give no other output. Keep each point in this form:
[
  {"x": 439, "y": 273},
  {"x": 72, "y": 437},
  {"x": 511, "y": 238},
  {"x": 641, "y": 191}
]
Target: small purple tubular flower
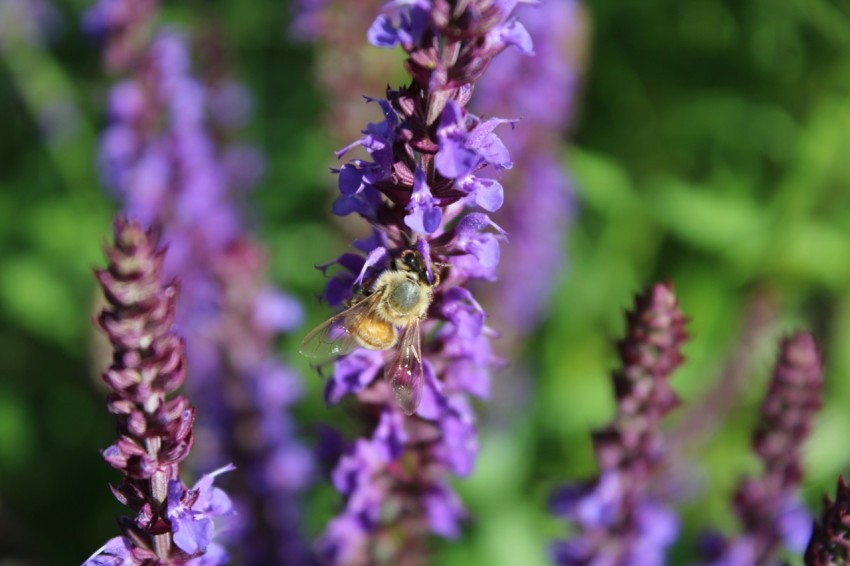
[
  {"x": 154, "y": 430},
  {"x": 191, "y": 512},
  {"x": 618, "y": 519},
  {"x": 163, "y": 155},
  {"x": 769, "y": 507},
  {"x": 830, "y": 540},
  {"x": 424, "y": 187},
  {"x": 424, "y": 212}
]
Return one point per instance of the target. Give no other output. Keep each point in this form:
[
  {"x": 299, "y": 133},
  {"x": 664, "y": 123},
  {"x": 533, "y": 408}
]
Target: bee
[{"x": 387, "y": 317}]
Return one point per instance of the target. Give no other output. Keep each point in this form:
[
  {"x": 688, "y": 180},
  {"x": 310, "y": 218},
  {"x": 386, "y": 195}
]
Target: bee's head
[{"x": 411, "y": 260}]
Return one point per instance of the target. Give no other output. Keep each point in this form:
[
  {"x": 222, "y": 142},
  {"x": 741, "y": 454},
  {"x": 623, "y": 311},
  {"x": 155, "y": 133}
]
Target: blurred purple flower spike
[
  {"x": 171, "y": 523},
  {"x": 769, "y": 507},
  {"x": 617, "y": 517},
  {"x": 164, "y": 154}
]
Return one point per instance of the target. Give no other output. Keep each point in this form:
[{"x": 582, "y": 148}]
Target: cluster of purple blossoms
[
  {"x": 769, "y": 506},
  {"x": 423, "y": 176},
  {"x": 540, "y": 89},
  {"x": 171, "y": 523},
  {"x": 617, "y": 517},
  {"x": 166, "y": 154}
]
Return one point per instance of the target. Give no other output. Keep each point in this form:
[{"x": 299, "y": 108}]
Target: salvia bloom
[
  {"x": 427, "y": 166},
  {"x": 541, "y": 90},
  {"x": 619, "y": 521},
  {"x": 830, "y": 542},
  {"x": 163, "y": 154},
  {"x": 769, "y": 506},
  {"x": 171, "y": 523}
]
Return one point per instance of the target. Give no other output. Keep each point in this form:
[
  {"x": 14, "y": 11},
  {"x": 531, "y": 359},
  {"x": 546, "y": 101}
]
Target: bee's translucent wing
[
  {"x": 404, "y": 372},
  {"x": 332, "y": 337}
]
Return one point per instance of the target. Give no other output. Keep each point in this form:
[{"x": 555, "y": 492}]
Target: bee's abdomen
[{"x": 374, "y": 334}]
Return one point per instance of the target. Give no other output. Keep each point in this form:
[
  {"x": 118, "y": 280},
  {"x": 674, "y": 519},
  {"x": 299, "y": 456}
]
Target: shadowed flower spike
[
  {"x": 425, "y": 193},
  {"x": 618, "y": 519},
  {"x": 830, "y": 542},
  {"x": 168, "y": 154},
  {"x": 769, "y": 507},
  {"x": 170, "y": 523}
]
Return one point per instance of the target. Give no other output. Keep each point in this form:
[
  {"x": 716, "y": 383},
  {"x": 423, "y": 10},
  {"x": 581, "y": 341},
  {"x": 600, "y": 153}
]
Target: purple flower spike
[
  {"x": 171, "y": 523},
  {"x": 618, "y": 518},
  {"x": 769, "y": 507},
  {"x": 167, "y": 155},
  {"x": 424, "y": 176}
]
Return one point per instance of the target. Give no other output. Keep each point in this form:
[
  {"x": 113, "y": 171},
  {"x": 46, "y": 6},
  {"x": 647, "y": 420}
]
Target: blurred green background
[{"x": 711, "y": 149}]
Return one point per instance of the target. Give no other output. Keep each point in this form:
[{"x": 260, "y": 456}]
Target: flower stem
[{"x": 159, "y": 494}]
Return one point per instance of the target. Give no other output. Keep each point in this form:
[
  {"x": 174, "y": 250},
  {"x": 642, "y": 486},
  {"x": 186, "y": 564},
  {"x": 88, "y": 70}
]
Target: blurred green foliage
[{"x": 711, "y": 149}]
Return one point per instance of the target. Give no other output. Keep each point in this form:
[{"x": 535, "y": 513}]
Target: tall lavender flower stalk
[
  {"x": 424, "y": 174},
  {"x": 830, "y": 542},
  {"x": 769, "y": 506},
  {"x": 171, "y": 524},
  {"x": 162, "y": 154},
  {"x": 619, "y": 521}
]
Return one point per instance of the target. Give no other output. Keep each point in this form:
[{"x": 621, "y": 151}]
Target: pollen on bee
[{"x": 375, "y": 334}]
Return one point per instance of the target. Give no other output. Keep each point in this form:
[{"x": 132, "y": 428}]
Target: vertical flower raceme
[
  {"x": 168, "y": 153},
  {"x": 830, "y": 542},
  {"x": 769, "y": 507},
  {"x": 618, "y": 519},
  {"x": 540, "y": 89},
  {"x": 425, "y": 190},
  {"x": 171, "y": 523}
]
